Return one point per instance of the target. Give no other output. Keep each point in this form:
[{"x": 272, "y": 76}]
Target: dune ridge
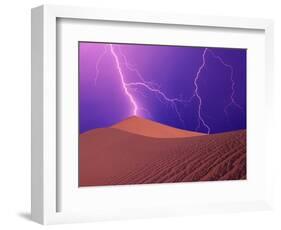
[{"x": 150, "y": 128}]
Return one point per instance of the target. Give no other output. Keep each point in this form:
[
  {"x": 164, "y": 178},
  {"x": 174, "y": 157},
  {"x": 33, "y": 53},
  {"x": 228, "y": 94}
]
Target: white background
[{"x": 15, "y": 114}]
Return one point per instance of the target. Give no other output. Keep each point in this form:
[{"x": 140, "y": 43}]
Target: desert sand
[{"x": 119, "y": 155}]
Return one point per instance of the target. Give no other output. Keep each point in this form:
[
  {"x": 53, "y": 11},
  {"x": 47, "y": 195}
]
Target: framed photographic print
[
  {"x": 139, "y": 114},
  {"x": 177, "y": 115}
]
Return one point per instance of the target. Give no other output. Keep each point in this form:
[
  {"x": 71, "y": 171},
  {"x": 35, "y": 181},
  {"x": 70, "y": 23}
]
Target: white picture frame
[{"x": 47, "y": 176}]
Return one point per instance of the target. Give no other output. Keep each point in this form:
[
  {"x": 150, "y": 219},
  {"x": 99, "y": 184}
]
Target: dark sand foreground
[{"x": 118, "y": 155}]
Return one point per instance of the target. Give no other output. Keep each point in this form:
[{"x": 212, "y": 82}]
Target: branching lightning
[
  {"x": 121, "y": 62},
  {"x": 123, "y": 83},
  {"x": 232, "y": 100},
  {"x": 134, "y": 69},
  {"x": 128, "y": 86},
  {"x": 197, "y": 95},
  {"x": 172, "y": 101}
]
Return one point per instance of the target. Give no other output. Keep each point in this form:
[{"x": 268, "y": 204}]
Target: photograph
[{"x": 151, "y": 113}]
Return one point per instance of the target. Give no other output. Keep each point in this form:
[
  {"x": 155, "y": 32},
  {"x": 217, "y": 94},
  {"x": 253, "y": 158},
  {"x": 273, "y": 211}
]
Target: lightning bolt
[
  {"x": 134, "y": 69},
  {"x": 128, "y": 86},
  {"x": 197, "y": 95},
  {"x": 232, "y": 100},
  {"x": 155, "y": 88},
  {"x": 124, "y": 84}
]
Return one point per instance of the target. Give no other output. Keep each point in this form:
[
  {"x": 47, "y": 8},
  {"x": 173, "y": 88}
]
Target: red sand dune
[
  {"x": 112, "y": 156},
  {"x": 150, "y": 128}
]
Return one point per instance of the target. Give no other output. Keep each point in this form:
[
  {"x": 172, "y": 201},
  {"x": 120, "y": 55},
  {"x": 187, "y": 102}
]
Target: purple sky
[{"x": 192, "y": 88}]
